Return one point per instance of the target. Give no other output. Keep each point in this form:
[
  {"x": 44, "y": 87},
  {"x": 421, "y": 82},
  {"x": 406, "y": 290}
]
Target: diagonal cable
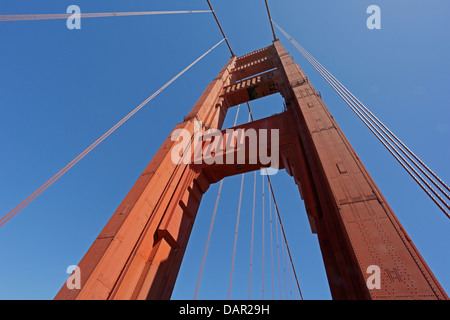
[
  {"x": 30, "y": 198},
  {"x": 220, "y": 27},
  {"x": 30, "y": 17},
  {"x": 385, "y": 137},
  {"x": 270, "y": 20}
]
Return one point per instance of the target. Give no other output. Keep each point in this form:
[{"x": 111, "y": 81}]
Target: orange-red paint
[{"x": 139, "y": 252}]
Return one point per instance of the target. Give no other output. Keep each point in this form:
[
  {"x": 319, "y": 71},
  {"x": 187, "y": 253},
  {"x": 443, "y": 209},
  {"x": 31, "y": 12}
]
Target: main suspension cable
[
  {"x": 220, "y": 27},
  {"x": 30, "y": 198},
  {"x": 389, "y": 146},
  {"x": 371, "y": 117},
  {"x": 270, "y": 20},
  {"x": 30, "y": 17},
  {"x": 374, "y": 124}
]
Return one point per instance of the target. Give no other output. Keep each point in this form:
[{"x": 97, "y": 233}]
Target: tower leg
[
  {"x": 139, "y": 252},
  {"x": 356, "y": 227}
]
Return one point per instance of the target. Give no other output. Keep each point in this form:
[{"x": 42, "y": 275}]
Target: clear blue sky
[{"x": 61, "y": 89}]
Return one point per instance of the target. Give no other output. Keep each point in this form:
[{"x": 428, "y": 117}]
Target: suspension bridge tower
[{"x": 139, "y": 252}]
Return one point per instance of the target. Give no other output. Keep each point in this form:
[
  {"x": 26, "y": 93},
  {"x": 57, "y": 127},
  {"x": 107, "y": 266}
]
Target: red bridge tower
[{"x": 139, "y": 252}]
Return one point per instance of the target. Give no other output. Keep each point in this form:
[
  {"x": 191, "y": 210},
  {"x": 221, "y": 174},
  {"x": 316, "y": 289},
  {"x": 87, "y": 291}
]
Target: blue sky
[{"x": 61, "y": 89}]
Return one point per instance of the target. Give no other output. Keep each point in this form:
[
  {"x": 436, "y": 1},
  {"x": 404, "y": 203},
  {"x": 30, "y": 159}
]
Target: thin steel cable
[
  {"x": 281, "y": 223},
  {"x": 278, "y": 257},
  {"x": 220, "y": 27},
  {"x": 391, "y": 149},
  {"x": 253, "y": 231},
  {"x": 284, "y": 235},
  {"x": 394, "y": 153},
  {"x": 284, "y": 271},
  {"x": 207, "y": 241},
  {"x": 205, "y": 252},
  {"x": 290, "y": 283},
  {"x": 271, "y": 246},
  {"x": 399, "y": 230},
  {"x": 30, "y": 17},
  {"x": 236, "y": 233},
  {"x": 235, "y": 237},
  {"x": 250, "y": 112},
  {"x": 263, "y": 249},
  {"x": 377, "y": 121},
  {"x": 30, "y": 198},
  {"x": 270, "y": 20},
  {"x": 361, "y": 114},
  {"x": 374, "y": 120}
]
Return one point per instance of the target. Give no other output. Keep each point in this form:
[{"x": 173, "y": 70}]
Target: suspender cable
[
  {"x": 374, "y": 124},
  {"x": 211, "y": 225},
  {"x": 263, "y": 249},
  {"x": 220, "y": 27},
  {"x": 284, "y": 235},
  {"x": 284, "y": 271},
  {"x": 236, "y": 233},
  {"x": 281, "y": 223},
  {"x": 235, "y": 237},
  {"x": 28, "y": 17},
  {"x": 290, "y": 283},
  {"x": 278, "y": 256},
  {"x": 294, "y": 294},
  {"x": 270, "y": 20},
  {"x": 253, "y": 222},
  {"x": 271, "y": 246},
  {"x": 207, "y": 241},
  {"x": 251, "y": 245},
  {"x": 30, "y": 198}
]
